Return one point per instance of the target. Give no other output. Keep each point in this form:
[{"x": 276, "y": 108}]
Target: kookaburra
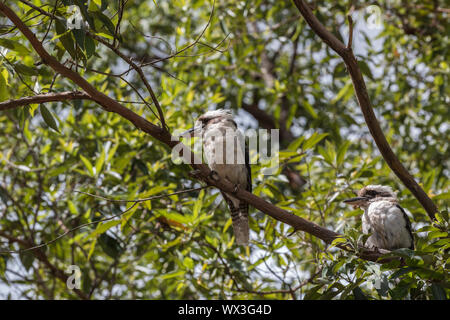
[
  {"x": 226, "y": 154},
  {"x": 384, "y": 219}
]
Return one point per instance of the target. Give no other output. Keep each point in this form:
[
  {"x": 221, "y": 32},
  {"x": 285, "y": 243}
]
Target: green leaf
[
  {"x": 48, "y": 117},
  {"x": 338, "y": 241},
  {"x": 309, "y": 108},
  {"x": 359, "y": 294},
  {"x": 91, "y": 250},
  {"x": 27, "y": 259},
  {"x": 313, "y": 140},
  {"x": 227, "y": 225},
  {"x": 25, "y": 70},
  {"x": 438, "y": 292},
  {"x": 14, "y": 45},
  {"x": 89, "y": 45},
  {"x": 65, "y": 38},
  {"x": 112, "y": 152},
  {"x": 3, "y": 88},
  {"x": 344, "y": 92},
  {"x": 104, "y": 35},
  {"x": 173, "y": 274},
  {"x": 88, "y": 165},
  {"x": 106, "y": 22},
  {"x": 105, "y": 226},
  {"x": 4, "y": 195},
  {"x": 341, "y": 153},
  {"x": 198, "y": 204},
  {"x": 365, "y": 69},
  {"x": 100, "y": 162},
  {"x": 401, "y": 272},
  {"x": 94, "y": 5},
  {"x": 437, "y": 234},
  {"x": 72, "y": 207},
  {"x": 80, "y": 36},
  {"x": 442, "y": 196},
  {"x": 188, "y": 263},
  {"x": 110, "y": 245}
]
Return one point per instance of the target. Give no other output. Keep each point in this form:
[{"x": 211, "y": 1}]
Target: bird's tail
[{"x": 239, "y": 218}]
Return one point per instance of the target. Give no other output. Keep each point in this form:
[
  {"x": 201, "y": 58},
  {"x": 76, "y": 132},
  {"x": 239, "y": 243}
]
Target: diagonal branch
[{"x": 359, "y": 85}]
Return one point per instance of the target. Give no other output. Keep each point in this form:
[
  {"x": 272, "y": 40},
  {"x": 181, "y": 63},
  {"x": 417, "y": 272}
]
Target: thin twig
[
  {"x": 51, "y": 22},
  {"x": 191, "y": 44},
  {"x": 142, "y": 200},
  {"x": 350, "y": 32},
  {"x": 135, "y": 202}
]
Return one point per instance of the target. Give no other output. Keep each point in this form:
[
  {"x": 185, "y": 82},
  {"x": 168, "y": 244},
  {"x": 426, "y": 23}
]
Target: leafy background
[{"x": 260, "y": 59}]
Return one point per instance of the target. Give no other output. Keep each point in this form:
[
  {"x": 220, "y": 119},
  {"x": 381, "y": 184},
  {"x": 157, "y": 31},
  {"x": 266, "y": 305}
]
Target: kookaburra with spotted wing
[
  {"x": 384, "y": 219},
  {"x": 226, "y": 153}
]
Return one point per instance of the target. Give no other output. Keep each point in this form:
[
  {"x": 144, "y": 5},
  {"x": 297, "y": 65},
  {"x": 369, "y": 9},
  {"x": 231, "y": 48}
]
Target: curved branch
[
  {"x": 41, "y": 98},
  {"x": 202, "y": 170},
  {"x": 359, "y": 85}
]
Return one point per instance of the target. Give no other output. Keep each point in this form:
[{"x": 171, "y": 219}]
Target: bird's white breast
[
  {"x": 387, "y": 224},
  {"x": 225, "y": 153}
]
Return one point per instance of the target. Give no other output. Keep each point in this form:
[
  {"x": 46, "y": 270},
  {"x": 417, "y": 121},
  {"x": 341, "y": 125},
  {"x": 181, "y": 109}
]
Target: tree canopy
[{"x": 92, "y": 92}]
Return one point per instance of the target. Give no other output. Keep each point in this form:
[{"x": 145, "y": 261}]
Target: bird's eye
[{"x": 371, "y": 193}]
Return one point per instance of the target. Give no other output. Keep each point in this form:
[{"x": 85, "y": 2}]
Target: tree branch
[
  {"x": 359, "y": 85},
  {"x": 42, "y": 98},
  {"x": 350, "y": 32}
]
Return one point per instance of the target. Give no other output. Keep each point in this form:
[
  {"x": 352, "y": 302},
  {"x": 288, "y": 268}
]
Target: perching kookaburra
[
  {"x": 226, "y": 153},
  {"x": 383, "y": 218}
]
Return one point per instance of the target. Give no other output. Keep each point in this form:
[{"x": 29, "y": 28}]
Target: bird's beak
[
  {"x": 357, "y": 201},
  {"x": 191, "y": 132}
]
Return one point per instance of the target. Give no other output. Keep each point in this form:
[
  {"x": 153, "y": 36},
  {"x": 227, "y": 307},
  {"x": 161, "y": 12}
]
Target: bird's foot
[
  {"x": 380, "y": 250},
  {"x": 195, "y": 173},
  {"x": 236, "y": 188},
  {"x": 213, "y": 175}
]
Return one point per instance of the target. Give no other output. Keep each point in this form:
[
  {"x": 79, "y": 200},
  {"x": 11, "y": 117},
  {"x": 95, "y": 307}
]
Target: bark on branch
[
  {"x": 42, "y": 98},
  {"x": 359, "y": 85}
]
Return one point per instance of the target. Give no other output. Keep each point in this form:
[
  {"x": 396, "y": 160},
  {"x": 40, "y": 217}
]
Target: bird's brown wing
[
  {"x": 249, "y": 169},
  {"x": 408, "y": 225}
]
